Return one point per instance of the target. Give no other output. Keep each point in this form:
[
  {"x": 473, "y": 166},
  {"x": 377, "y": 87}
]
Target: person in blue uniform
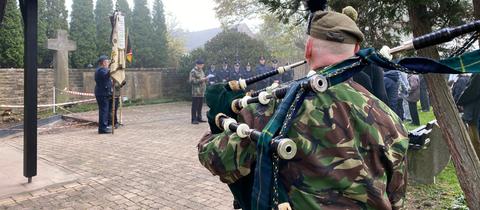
[
  {"x": 224, "y": 73},
  {"x": 103, "y": 94},
  {"x": 247, "y": 71},
  {"x": 260, "y": 69},
  {"x": 277, "y": 78},
  {"x": 212, "y": 71},
  {"x": 236, "y": 73},
  {"x": 287, "y": 76}
]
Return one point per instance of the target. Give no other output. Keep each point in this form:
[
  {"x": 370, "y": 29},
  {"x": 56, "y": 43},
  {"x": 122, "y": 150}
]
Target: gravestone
[
  {"x": 62, "y": 46},
  {"x": 424, "y": 164}
]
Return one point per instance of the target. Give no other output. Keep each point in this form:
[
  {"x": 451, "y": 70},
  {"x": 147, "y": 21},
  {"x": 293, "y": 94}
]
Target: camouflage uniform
[
  {"x": 351, "y": 151},
  {"x": 198, "y": 91},
  {"x": 198, "y": 86}
]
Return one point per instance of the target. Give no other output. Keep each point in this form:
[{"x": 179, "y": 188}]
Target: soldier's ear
[
  {"x": 308, "y": 49},
  {"x": 357, "y": 47}
]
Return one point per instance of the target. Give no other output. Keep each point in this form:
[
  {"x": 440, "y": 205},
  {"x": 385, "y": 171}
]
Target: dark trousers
[
  {"x": 412, "y": 106},
  {"x": 104, "y": 104},
  {"x": 399, "y": 107},
  {"x": 117, "y": 102},
  {"x": 424, "y": 100},
  {"x": 197, "y": 103},
  {"x": 242, "y": 191}
]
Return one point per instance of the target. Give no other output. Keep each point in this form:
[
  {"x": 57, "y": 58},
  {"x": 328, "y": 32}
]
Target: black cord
[{"x": 473, "y": 38}]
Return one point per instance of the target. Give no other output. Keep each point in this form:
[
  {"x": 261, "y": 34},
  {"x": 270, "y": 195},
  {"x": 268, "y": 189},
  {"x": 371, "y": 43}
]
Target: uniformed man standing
[
  {"x": 261, "y": 68},
  {"x": 198, "y": 81},
  {"x": 213, "y": 75},
  {"x": 287, "y": 76},
  {"x": 103, "y": 94},
  {"x": 351, "y": 146},
  {"x": 236, "y": 73},
  {"x": 224, "y": 73},
  {"x": 277, "y": 78},
  {"x": 247, "y": 72}
]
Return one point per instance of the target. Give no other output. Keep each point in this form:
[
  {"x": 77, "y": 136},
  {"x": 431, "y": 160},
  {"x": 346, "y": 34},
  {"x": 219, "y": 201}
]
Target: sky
[{"x": 192, "y": 15}]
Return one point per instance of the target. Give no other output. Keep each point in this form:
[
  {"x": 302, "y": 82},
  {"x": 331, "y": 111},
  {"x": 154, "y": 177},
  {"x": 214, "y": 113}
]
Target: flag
[
  {"x": 129, "y": 56},
  {"x": 117, "y": 62}
]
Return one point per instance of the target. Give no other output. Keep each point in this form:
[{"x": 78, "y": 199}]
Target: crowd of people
[
  {"x": 226, "y": 73},
  {"x": 200, "y": 80},
  {"x": 403, "y": 91}
]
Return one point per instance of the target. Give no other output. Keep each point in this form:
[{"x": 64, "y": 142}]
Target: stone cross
[{"x": 62, "y": 46}]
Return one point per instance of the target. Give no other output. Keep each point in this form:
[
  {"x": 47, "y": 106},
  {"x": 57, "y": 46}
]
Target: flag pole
[{"x": 113, "y": 106}]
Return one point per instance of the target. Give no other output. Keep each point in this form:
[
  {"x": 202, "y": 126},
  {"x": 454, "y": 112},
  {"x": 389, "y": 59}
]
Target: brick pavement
[{"x": 150, "y": 163}]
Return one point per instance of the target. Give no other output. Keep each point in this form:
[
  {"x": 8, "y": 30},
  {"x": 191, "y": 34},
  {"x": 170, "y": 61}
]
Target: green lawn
[{"x": 445, "y": 193}]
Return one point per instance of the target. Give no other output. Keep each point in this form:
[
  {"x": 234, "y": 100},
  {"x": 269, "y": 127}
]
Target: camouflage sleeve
[
  {"x": 396, "y": 154},
  {"x": 228, "y": 156},
  {"x": 393, "y": 139},
  {"x": 195, "y": 77}
]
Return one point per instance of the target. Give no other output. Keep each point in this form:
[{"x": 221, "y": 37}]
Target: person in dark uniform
[
  {"x": 247, "y": 72},
  {"x": 198, "y": 80},
  {"x": 103, "y": 93},
  {"x": 287, "y": 76},
  {"x": 224, "y": 73},
  {"x": 277, "y": 78},
  {"x": 260, "y": 69},
  {"x": 236, "y": 73},
  {"x": 213, "y": 75}
]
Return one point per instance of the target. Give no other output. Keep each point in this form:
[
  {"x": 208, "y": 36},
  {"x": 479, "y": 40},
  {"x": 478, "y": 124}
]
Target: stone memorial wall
[{"x": 152, "y": 83}]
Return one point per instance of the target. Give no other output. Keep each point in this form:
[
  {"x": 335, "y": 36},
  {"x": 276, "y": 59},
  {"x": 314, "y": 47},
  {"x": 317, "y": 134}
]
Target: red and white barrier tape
[
  {"x": 49, "y": 105},
  {"x": 77, "y": 93}
]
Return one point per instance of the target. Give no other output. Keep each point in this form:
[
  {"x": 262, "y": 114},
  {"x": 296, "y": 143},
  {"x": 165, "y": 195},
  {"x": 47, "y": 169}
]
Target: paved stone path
[{"x": 150, "y": 163}]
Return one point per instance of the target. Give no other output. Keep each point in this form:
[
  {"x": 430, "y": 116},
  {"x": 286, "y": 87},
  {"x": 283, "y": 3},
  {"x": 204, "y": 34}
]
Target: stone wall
[{"x": 141, "y": 84}]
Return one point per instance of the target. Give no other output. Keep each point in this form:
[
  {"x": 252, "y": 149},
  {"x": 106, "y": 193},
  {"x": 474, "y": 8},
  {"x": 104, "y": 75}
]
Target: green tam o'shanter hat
[{"x": 336, "y": 27}]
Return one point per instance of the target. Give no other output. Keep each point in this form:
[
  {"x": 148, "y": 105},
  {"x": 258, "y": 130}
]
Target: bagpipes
[
  {"x": 285, "y": 148},
  {"x": 230, "y": 101},
  {"x": 342, "y": 71},
  {"x": 316, "y": 83},
  {"x": 242, "y": 84}
]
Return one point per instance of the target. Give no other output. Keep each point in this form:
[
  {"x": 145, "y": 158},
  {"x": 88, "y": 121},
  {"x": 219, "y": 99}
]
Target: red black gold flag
[{"x": 129, "y": 52}]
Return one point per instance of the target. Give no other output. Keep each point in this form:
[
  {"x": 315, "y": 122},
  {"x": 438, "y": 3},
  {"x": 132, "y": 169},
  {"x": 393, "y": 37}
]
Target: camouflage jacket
[
  {"x": 198, "y": 85},
  {"x": 351, "y": 151}
]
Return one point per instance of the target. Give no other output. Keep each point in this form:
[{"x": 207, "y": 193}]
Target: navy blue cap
[
  {"x": 102, "y": 58},
  {"x": 261, "y": 58},
  {"x": 274, "y": 61},
  {"x": 199, "y": 61}
]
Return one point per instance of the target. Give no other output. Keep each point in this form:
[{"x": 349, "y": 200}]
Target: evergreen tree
[
  {"x": 233, "y": 46},
  {"x": 82, "y": 30},
  {"x": 230, "y": 45},
  {"x": 141, "y": 33},
  {"x": 103, "y": 10},
  {"x": 55, "y": 18},
  {"x": 11, "y": 37},
  {"x": 159, "y": 35},
  {"x": 42, "y": 35}
]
